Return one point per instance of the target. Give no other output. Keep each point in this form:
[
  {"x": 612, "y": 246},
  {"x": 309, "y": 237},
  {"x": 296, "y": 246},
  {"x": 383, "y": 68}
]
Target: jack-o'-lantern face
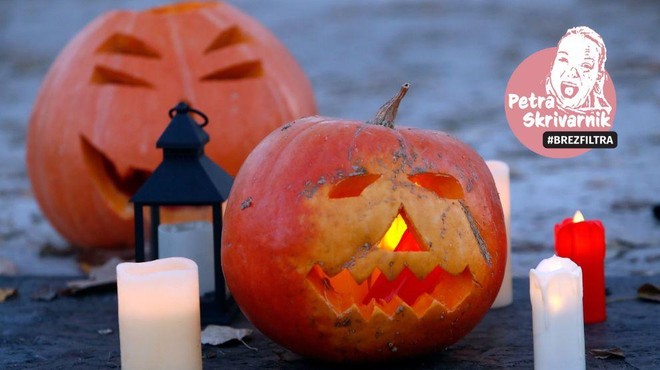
[
  {"x": 425, "y": 253},
  {"x": 104, "y": 103},
  {"x": 352, "y": 241}
]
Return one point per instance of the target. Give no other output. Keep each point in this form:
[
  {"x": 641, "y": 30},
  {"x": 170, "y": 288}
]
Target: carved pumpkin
[
  {"x": 101, "y": 108},
  {"x": 352, "y": 241}
]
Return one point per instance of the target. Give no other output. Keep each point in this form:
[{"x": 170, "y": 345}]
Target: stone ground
[
  {"x": 457, "y": 55},
  {"x": 72, "y": 333}
]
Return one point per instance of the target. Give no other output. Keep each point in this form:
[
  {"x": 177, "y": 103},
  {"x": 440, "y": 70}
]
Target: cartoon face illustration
[
  {"x": 575, "y": 69},
  {"x": 576, "y": 78}
]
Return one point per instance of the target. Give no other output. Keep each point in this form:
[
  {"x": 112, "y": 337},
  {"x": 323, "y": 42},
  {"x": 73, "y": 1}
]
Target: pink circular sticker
[{"x": 560, "y": 102}]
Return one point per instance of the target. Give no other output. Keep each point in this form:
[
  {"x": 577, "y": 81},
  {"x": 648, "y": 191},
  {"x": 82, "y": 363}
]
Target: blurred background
[{"x": 458, "y": 56}]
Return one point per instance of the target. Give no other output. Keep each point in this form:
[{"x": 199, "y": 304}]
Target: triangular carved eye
[
  {"x": 108, "y": 76},
  {"x": 231, "y": 36},
  {"x": 120, "y": 43},
  {"x": 352, "y": 186},
  {"x": 240, "y": 71},
  {"x": 443, "y": 185}
]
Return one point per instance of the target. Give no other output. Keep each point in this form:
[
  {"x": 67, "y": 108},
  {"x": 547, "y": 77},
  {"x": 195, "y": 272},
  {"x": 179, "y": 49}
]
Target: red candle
[{"x": 584, "y": 243}]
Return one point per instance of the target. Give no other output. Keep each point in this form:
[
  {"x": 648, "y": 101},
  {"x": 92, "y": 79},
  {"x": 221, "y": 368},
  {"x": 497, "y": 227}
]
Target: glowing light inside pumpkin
[
  {"x": 393, "y": 235},
  {"x": 399, "y": 237},
  {"x": 578, "y": 217},
  {"x": 343, "y": 292}
]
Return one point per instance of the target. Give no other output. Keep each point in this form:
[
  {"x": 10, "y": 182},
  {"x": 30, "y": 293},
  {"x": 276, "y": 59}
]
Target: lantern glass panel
[{"x": 187, "y": 231}]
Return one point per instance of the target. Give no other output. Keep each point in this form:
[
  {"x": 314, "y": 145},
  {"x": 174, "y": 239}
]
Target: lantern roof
[
  {"x": 186, "y": 176},
  {"x": 183, "y": 132}
]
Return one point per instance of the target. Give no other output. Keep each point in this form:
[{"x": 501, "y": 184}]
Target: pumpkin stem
[{"x": 387, "y": 113}]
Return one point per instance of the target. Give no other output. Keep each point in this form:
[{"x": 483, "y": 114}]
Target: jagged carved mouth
[
  {"x": 344, "y": 292},
  {"x": 116, "y": 188}
]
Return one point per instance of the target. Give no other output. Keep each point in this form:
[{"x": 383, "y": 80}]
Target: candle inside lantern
[
  {"x": 193, "y": 240},
  {"x": 583, "y": 241},
  {"x": 159, "y": 320},
  {"x": 500, "y": 171},
  {"x": 555, "y": 289}
]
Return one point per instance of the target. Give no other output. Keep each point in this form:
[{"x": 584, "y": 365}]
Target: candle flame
[
  {"x": 578, "y": 217},
  {"x": 556, "y": 303}
]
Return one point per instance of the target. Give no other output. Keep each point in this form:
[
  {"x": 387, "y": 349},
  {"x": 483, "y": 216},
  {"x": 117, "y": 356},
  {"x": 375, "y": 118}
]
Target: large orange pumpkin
[
  {"x": 352, "y": 241},
  {"x": 104, "y": 101}
]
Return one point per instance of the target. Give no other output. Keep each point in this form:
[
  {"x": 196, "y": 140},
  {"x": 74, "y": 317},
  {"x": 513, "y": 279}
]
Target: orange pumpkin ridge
[{"x": 306, "y": 263}]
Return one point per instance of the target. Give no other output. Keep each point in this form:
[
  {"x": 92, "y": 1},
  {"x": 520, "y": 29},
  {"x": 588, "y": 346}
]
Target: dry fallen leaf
[
  {"x": 44, "y": 293},
  {"x": 107, "y": 271},
  {"x": 49, "y": 250},
  {"x": 101, "y": 276},
  {"x": 89, "y": 258},
  {"x": 649, "y": 292},
  {"x": 216, "y": 335},
  {"x": 287, "y": 356},
  {"x": 608, "y": 353},
  {"x": 6, "y": 293}
]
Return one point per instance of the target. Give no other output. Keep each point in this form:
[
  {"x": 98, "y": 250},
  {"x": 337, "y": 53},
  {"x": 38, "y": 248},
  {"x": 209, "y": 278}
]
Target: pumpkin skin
[
  {"x": 104, "y": 103},
  {"x": 298, "y": 239}
]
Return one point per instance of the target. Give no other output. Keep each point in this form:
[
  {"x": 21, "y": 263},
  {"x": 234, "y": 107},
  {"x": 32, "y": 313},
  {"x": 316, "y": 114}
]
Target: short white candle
[
  {"x": 555, "y": 289},
  {"x": 192, "y": 240},
  {"x": 500, "y": 171},
  {"x": 159, "y": 323}
]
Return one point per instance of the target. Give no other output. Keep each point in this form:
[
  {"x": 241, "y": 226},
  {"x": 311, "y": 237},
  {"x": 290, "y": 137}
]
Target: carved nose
[{"x": 399, "y": 237}]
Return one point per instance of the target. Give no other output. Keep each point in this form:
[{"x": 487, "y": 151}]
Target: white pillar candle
[
  {"x": 500, "y": 171},
  {"x": 192, "y": 240},
  {"x": 159, "y": 323},
  {"x": 555, "y": 289}
]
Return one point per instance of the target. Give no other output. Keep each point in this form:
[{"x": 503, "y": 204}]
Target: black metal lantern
[{"x": 187, "y": 177}]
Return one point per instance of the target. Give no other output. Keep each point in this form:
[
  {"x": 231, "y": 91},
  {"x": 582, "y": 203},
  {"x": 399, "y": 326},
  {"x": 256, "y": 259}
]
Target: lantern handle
[{"x": 183, "y": 108}]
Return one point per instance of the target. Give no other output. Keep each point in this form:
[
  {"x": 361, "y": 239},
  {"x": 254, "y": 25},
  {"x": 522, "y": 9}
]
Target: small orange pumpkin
[
  {"x": 352, "y": 241},
  {"x": 103, "y": 104}
]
